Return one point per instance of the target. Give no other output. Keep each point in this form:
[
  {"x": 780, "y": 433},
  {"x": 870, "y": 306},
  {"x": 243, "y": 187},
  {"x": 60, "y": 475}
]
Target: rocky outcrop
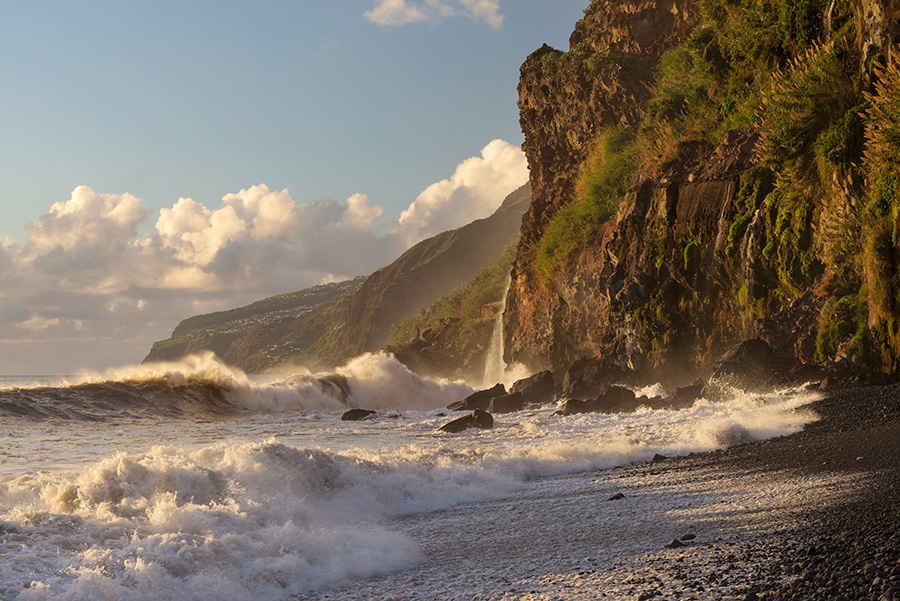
[
  {"x": 444, "y": 348},
  {"x": 537, "y": 389},
  {"x": 690, "y": 265},
  {"x": 563, "y": 104},
  {"x": 477, "y": 419},
  {"x": 355, "y": 415},
  {"x": 480, "y": 399}
]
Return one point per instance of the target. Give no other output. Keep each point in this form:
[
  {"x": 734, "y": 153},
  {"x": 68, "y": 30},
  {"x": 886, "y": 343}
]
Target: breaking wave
[
  {"x": 202, "y": 385},
  {"x": 284, "y": 497}
]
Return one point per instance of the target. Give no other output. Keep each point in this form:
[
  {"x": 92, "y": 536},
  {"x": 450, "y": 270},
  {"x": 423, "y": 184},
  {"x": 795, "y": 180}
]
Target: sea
[{"x": 193, "y": 480}]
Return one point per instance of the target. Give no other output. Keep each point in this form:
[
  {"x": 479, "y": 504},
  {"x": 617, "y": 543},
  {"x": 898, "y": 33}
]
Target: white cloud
[
  {"x": 395, "y": 12},
  {"x": 36, "y": 324},
  {"x": 470, "y": 193},
  {"x": 94, "y": 267},
  {"x": 402, "y": 12},
  {"x": 484, "y": 10}
]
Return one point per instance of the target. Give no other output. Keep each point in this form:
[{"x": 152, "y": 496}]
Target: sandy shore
[{"x": 813, "y": 515}]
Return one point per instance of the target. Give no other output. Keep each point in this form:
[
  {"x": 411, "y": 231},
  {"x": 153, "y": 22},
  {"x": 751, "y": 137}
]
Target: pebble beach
[{"x": 813, "y": 515}]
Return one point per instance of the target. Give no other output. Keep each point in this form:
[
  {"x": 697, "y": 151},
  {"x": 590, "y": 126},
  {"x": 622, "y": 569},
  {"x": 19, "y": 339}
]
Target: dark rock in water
[
  {"x": 537, "y": 389},
  {"x": 477, "y": 419},
  {"x": 482, "y": 419},
  {"x": 656, "y": 402},
  {"x": 616, "y": 497},
  {"x": 675, "y": 544},
  {"x": 574, "y": 406},
  {"x": 356, "y": 414},
  {"x": 629, "y": 407},
  {"x": 585, "y": 378},
  {"x": 479, "y": 400},
  {"x": 590, "y": 377},
  {"x": 616, "y": 398},
  {"x": 457, "y": 425},
  {"x": 335, "y": 385},
  {"x": 686, "y": 395},
  {"x": 750, "y": 365},
  {"x": 657, "y": 458},
  {"x": 507, "y": 403}
]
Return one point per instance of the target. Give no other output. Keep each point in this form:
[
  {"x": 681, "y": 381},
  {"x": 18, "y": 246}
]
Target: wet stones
[
  {"x": 479, "y": 400},
  {"x": 354, "y": 415},
  {"x": 750, "y": 365},
  {"x": 477, "y": 419},
  {"x": 686, "y": 395},
  {"x": 537, "y": 389},
  {"x": 507, "y": 403},
  {"x": 575, "y": 406},
  {"x": 616, "y": 399}
]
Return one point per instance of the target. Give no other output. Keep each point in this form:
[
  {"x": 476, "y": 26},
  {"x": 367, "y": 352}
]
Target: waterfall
[{"x": 495, "y": 369}]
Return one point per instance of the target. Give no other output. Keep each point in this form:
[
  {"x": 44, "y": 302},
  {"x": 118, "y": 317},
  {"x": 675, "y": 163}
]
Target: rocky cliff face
[
  {"x": 713, "y": 246},
  {"x": 563, "y": 104}
]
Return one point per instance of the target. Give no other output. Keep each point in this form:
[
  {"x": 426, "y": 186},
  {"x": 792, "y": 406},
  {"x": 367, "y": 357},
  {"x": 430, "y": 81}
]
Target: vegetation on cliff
[
  {"x": 476, "y": 303},
  {"x": 603, "y": 179},
  {"x": 698, "y": 244}
]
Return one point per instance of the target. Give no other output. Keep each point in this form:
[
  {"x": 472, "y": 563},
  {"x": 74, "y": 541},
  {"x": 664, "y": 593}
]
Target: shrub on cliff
[
  {"x": 802, "y": 103},
  {"x": 604, "y": 178}
]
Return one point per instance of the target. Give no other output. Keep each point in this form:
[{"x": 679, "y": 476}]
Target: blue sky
[
  {"x": 163, "y": 159},
  {"x": 201, "y": 98}
]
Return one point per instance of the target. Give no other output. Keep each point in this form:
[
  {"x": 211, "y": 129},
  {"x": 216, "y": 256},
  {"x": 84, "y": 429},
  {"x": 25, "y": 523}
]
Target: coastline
[{"x": 807, "y": 516}]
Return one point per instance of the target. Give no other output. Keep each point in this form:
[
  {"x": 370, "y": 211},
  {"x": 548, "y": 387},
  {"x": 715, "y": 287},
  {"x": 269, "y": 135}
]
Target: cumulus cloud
[
  {"x": 101, "y": 267},
  {"x": 402, "y": 12},
  {"x": 470, "y": 193}
]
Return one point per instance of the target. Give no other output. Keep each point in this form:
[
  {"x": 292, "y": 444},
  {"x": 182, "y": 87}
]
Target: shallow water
[{"x": 193, "y": 481}]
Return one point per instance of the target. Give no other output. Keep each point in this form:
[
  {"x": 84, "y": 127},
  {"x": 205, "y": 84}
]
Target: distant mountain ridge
[
  {"x": 220, "y": 331},
  {"x": 323, "y": 326}
]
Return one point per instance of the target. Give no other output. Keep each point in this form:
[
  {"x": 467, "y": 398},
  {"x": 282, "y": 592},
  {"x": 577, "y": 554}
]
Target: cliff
[{"x": 706, "y": 173}]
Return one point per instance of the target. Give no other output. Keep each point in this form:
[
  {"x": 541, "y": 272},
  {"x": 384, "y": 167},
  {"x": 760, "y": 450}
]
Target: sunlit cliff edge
[{"x": 709, "y": 172}]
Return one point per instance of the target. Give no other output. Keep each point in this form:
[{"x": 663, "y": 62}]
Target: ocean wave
[
  {"x": 203, "y": 385},
  {"x": 270, "y": 520}
]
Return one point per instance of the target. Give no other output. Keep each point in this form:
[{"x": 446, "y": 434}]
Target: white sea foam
[
  {"x": 375, "y": 381},
  {"x": 267, "y": 520}
]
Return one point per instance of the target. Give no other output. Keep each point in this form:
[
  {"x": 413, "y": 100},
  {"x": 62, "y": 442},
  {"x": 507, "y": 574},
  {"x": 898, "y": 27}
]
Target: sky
[{"x": 161, "y": 159}]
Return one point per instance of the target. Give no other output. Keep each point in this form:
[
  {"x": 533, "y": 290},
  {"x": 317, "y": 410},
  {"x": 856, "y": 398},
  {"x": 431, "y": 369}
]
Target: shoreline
[{"x": 812, "y": 515}]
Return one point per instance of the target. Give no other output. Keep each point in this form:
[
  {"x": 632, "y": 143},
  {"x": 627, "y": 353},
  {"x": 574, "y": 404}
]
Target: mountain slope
[
  {"x": 324, "y": 326},
  {"x": 237, "y": 334},
  {"x": 426, "y": 272}
]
